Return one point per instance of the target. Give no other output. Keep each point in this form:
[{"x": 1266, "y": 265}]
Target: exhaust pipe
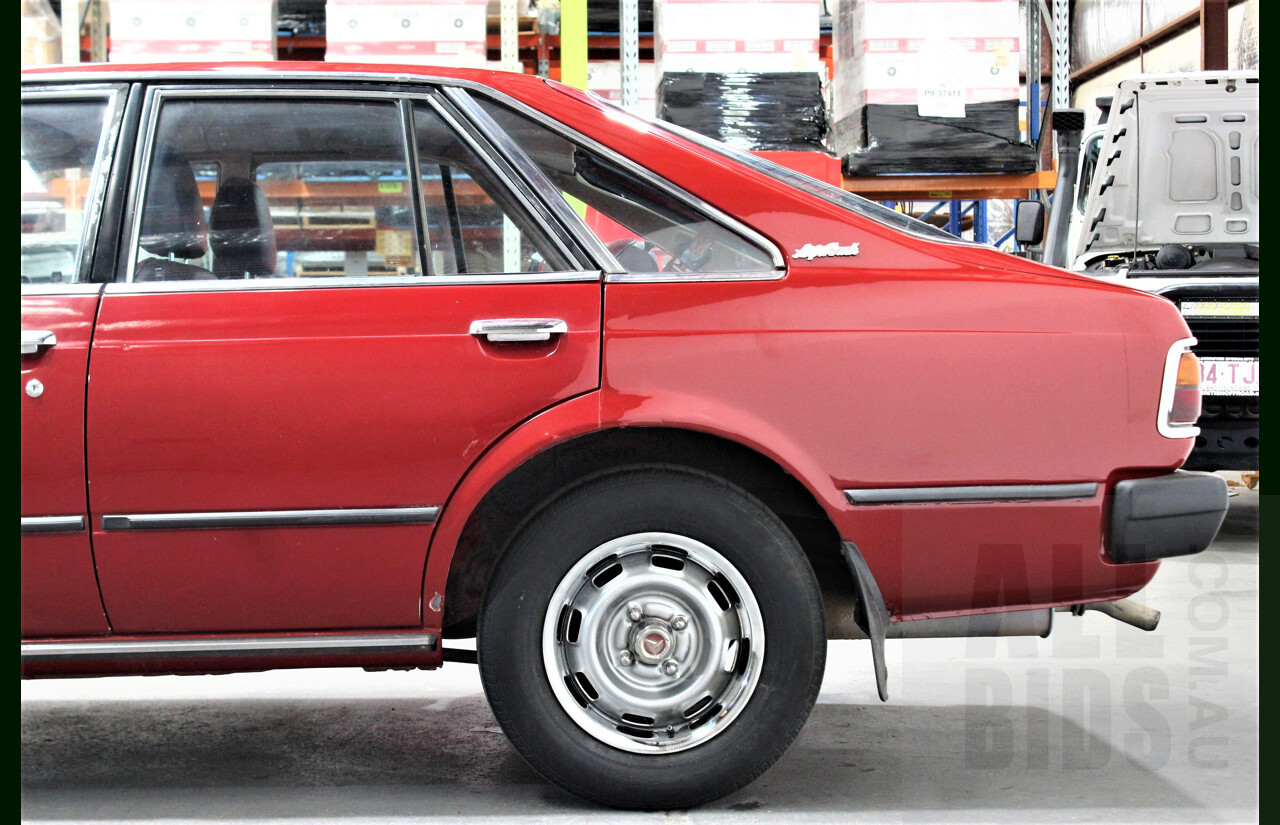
[
  {"x": 841, "y": 624},
  {"x": 1124, "y": 610}
]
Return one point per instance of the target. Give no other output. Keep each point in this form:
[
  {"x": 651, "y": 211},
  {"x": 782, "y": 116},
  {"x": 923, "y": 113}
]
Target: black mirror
[{"x": 1028, "y": 222}]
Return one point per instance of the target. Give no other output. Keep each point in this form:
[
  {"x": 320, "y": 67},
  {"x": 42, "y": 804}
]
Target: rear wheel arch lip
[{"x": 588, "y": 415}]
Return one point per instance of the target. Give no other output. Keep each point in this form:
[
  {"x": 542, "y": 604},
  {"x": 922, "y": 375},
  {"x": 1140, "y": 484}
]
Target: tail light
[{"x": 1180, "y": 392}]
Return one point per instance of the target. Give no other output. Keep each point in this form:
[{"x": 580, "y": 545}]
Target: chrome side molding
[
  {"x": 270, "y": 518},
  {"x": 52, "y": 524},
  {"x": 948, "y": 495},
  {"x": 242, "y": 645}
]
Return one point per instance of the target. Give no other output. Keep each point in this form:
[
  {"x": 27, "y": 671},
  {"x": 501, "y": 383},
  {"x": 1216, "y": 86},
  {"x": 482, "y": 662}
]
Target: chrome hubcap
[{"x": 653, "y": 642}]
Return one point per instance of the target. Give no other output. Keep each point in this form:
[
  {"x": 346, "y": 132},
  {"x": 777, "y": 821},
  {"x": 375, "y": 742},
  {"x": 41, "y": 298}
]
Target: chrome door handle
[
  {"x": 33, "y": 340},
  {"x": 519, "y": 329}
]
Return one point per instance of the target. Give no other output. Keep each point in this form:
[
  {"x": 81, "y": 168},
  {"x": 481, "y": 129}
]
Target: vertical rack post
[
  {"x": 980, "y": 221},
  {"x": 629, "y": 51},
  {"x": 573, "y": 43},
  {"x": 96, "y": 20},
  {"x": 509, "y": 29},
  {"x": 71, "y": 30},
  {"x": 1033, "y": 72},
  {"x": 509, "y": 37},
  {"x": 1061, "y": 64}
]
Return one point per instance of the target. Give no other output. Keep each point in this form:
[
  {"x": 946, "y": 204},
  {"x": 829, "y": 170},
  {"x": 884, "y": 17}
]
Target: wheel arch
[{"x": 465, "y": 550}]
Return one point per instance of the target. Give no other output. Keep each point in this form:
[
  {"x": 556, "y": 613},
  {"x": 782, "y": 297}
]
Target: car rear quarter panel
[{"x": 915, "y": 363}]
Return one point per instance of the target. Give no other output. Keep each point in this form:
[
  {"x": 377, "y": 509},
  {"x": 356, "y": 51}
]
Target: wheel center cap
[{"x": 652, "y": 643}]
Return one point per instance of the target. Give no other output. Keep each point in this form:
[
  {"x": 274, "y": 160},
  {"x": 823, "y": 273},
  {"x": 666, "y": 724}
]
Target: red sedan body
[{"x": 864, "y": 363}]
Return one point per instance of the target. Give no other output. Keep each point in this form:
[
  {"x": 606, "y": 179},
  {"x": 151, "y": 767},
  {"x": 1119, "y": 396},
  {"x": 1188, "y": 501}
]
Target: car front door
[
  {"x": 67, "y": 138},
  {"x": 328, "y": 306}
]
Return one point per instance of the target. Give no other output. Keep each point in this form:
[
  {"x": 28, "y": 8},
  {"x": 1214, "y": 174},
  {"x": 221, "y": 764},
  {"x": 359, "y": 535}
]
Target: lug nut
[
  {"x": 679, "y": 623},
  {"x": 625, "y": 659},
  {"x": 670, "y": 667},
  {"x": 634, "y": 613}
]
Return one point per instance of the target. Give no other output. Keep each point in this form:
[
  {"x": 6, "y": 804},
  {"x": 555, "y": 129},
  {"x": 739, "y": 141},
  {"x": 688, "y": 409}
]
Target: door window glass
[
  {"x": 60, "y": 144},
  {"x": 647, "y": 228},
  {"x": 277, "y": 188},
  {"x": 474, "y": 226}
]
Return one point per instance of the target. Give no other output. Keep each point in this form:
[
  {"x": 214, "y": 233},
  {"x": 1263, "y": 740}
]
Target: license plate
[{"x": 1228, "y": 376}]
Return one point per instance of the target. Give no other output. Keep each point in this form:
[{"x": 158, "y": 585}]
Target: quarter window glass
[
  {"x": 60, "y": 142},
  {"x": 277, "y": 188},
  {"x": 474, "y": 226},
  {"x": 645, "y": 227}
]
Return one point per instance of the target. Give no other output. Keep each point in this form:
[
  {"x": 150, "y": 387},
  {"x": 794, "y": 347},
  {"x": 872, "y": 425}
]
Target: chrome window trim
[
  {"x": 316, "y": 644},
  {"x": 507, "y": 146},
  {"x": 971, "y": 494},
  {"x": 533, "y": 206},
  {"x": 52, "y": 524},
  {"x": 229, "y": 520},
  {"x": 232, "y": 71},
  {"x": 112, "y": 122},
  {"x": 319, "y": 282},
  {"x": 157, "y": 95},
  {"x": 77, "y": 288},
  {"x": 688, "y": 277},
  {"x": 693, "y": 201}
]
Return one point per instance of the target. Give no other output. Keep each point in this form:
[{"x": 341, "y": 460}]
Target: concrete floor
[{"x": 1099, "y": 722}]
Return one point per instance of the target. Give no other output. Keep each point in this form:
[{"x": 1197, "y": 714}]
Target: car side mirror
[{"x": 1028, "y": 222}]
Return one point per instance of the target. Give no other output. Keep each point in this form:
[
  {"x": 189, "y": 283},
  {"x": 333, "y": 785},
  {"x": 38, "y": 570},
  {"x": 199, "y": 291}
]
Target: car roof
[{"x": 279, "y": 70}]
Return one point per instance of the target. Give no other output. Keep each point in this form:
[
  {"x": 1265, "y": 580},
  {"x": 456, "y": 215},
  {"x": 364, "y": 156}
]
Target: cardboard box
[
  {"x": 438, "y": 33},
  {"x": 895, "y": 51},
  {"x": 736, "y": 35},
  {"x": 41, "y": 34},
  {"x": 158, "y": 31},
  {"x": 909, "y": 73}
]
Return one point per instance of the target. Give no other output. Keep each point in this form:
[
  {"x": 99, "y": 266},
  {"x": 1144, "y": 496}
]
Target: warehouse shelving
[{"x": 960, "y": 195}]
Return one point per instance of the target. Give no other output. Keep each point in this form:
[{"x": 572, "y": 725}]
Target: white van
[{"x": 1167, "y": 202}]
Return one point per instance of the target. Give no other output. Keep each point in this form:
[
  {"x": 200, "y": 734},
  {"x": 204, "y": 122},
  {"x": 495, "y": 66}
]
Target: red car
[{"x": 325, "y": 365}]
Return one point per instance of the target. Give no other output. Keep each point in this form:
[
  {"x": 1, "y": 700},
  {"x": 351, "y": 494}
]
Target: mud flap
[{"x": 872, "y": 616}]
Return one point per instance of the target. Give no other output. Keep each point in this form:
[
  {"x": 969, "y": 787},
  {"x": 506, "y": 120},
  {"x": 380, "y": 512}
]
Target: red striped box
[
  {"x": 736, "y": 35},
  {"x": 159, "y": 31},
  {"x": 435, "y": 32}
]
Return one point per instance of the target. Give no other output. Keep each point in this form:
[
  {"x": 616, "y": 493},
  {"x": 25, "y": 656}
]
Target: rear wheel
[{"x": 652, "y": 639}]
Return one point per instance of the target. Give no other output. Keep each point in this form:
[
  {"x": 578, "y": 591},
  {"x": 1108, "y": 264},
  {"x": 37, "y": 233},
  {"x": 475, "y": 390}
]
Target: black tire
[{"x": 704, "y": 511}]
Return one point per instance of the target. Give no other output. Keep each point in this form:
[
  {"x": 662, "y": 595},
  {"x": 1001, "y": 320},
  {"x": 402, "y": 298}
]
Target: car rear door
[
  {"x": 68, "y": 137},
  {"x": 290, "y": 375}
]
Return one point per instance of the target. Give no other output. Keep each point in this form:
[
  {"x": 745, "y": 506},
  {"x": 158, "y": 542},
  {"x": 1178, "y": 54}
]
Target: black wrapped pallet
[
  {"x": 603, "y": 16},
  {"x": 894, "y": 140},
  {"x": 776, "y": 111}
]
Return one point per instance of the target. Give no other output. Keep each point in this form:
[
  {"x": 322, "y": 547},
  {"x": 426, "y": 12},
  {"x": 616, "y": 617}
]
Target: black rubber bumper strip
[{"x": 1157, "y": 518}]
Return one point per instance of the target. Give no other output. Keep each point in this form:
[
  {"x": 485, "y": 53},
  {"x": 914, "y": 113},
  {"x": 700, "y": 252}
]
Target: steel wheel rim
[{"x": 695, "y": 652}]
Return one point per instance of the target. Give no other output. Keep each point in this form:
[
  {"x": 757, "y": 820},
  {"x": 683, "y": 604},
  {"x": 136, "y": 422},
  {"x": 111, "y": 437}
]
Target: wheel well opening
[{"x": 504, "y": 508}]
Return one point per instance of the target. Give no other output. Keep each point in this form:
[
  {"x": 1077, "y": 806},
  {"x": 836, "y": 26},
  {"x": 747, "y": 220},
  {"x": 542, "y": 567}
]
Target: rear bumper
[{"x": 1173, "y": 515}]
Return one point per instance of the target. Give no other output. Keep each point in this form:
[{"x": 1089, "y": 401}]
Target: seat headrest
[
  {"x": 173, "y": 217},
  {"x": 633, "y": 255},
  {"x": 241, "y": 232}
]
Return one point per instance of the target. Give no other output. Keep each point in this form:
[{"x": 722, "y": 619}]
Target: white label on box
[{"x": 942, "y": 64}]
